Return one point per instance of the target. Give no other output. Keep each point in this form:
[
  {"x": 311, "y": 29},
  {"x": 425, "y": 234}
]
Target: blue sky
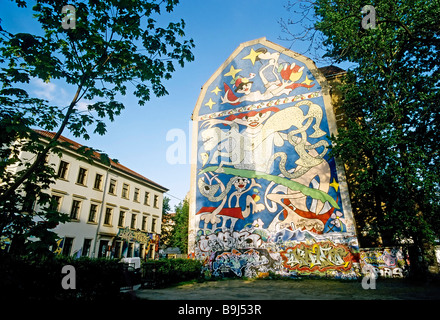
[{"x": 137, "y": 138}]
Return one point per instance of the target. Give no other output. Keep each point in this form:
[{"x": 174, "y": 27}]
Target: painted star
[
  {"x": 307, "y": 81},
  {"x": 252, "y": 56},
  {"x": 335, "y": 185},
  {"x": 232, "y": 72},
  {"x": 210, "y": 103},
  {"x": 216, "y": 90}
]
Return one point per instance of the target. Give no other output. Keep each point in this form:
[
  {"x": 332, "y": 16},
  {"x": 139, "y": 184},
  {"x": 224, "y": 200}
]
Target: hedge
[
  {"x": 159, "y": 273},
  {"x": 40, "y": 279}
]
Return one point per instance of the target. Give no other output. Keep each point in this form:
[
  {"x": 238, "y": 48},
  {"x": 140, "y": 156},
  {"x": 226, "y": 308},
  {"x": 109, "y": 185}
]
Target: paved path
[{"x": 307, "y": 289}]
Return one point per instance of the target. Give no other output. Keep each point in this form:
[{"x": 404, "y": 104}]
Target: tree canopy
[
  {"x": 106, "y": 50},
  {"x": 175, "y": 227},
  {"x": 391, "y": 101}
]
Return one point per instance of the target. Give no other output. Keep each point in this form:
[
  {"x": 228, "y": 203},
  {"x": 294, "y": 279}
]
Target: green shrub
[
  {"x": 164, "y": 272},
  {"x": 30, "y": 278}
]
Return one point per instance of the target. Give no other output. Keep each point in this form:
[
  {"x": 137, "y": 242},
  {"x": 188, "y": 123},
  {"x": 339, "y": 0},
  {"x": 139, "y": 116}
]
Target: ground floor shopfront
[
  {"x": 129, "y": 243},
  {"x": 126, "y": 243}
]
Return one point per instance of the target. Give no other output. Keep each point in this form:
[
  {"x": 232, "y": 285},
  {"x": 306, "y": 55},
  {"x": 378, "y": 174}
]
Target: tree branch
[{"x": 42, "y": 155}]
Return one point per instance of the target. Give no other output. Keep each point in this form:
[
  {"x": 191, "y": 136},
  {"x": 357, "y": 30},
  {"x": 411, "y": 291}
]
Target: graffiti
[
  {"x": 131, "y": 235},
  {"x": 317, "y": 257},
  {"x": 286, "y": 252},
  {"x": 384, "y": 262},
  {"x": 138, "y": 236},
  {"x": 266, "y": 192},
  {"x": 248, "y": 263},
  {"x": 227, "y": 240}
]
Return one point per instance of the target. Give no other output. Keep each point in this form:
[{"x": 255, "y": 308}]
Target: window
[
  {"x": 125, "y": 191},
  {"x": 150, "y": 253},
  {"x": 118, "y": 248},
  {"x": 147, "y": 198},
  {"x": 62, "y": 170},
  {"x": 156, "y": 201},
  {"x": 74, "y": 211},
  {"x": 133, "y": 221},
  {"x": 86, "y": 247},
  {"x": 67, "y": 246},
  {"x": 112, "y": 187},
  {"x": 108, "y": 216},
  {"x": 82, "y": 174},
  {"x": 144, "y": 222},
  {"x": 130, "y": 250},
  {"x": 136, "y": 194},
  {"x": 153, "y": 225},
  {"x": 93, "y": 212},
  {"x": 56, "y": 203},
  {"x": 121, "y": 218},
  {"x": 98, "y": 181},
  {"x": 103, "y": 248}
]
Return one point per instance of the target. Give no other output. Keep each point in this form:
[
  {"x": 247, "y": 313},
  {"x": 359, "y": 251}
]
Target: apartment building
[{"x": 114, "y": 211}]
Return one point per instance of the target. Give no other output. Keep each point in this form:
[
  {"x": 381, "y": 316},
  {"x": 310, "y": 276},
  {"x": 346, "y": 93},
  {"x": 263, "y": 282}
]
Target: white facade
[{"x": 113, "y": 210}]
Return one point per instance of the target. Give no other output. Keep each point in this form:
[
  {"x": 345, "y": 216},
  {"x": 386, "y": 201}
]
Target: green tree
[
  {"x": 113, "y": 47},
  {"x": 175, "y": 227},
  {"x": 167, "y": 229},
  {"x": 391, "y": 100},
  {"x": 181, "y": 219}
]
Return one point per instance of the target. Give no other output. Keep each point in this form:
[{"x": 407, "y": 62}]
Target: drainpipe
[{"x": 101, "y": 211}]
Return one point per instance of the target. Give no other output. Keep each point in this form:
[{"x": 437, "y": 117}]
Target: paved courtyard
[{"x": 308, "y": 289}]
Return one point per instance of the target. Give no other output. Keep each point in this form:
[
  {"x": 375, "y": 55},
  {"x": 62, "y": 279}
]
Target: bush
[
  {"x": 32, "y": 278},
  {"x": 158, "y": 273}
]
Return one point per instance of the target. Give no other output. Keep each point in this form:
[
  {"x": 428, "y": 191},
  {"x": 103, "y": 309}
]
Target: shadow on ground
[{"x": 306, "y": 289}]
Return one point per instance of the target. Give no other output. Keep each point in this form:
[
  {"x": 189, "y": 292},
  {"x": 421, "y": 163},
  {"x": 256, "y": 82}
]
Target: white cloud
[
  {"x": 44, "y": 90},
  {"x": 82, "y": 105},
  {"x": 49, "y": 91},
  {"x": 55, "y": 94}
]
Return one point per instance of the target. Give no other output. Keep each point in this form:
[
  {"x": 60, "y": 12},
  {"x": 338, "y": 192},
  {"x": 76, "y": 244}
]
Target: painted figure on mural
[
  {"x": 243, "y": 148},
  {"x": 311, "y": 170},
  {"x": 256, "y": 144},
  {"x": 278, "y": 79},
  {"x": 252, "y": 148},
  {"x": 219, "y": 213}
]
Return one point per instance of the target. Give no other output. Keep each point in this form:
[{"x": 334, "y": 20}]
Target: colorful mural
[
  {"x": 384, "y": 262},
  {"x": 265, "y": 194},
  {"x": 150, "y": 240}
]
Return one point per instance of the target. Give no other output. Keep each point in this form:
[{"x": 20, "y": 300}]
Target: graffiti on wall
[
  {"x": 243, "y": 262},
  {"x": 384, "y": 262},
  {"x": 150, "y": 240},
  {"x": 263, "y": 176},
  {"x": 254, "y": 252},
  {"x": 319, "y": 256}
]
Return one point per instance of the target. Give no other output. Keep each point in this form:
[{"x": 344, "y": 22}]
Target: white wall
[{"x": 69, "y": 190}]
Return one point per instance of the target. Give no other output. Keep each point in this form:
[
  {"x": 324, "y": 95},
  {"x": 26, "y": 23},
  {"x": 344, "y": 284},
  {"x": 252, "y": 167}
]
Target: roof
[
  {"x": 329, "y": 71},
  {"x": 97, "y": 156}
]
